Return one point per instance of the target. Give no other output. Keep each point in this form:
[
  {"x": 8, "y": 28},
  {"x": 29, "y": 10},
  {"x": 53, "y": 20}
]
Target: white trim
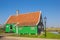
[
  {"x": 7, "y": 19},
  {"x": 38, "y": 18},
  {"x": 16, "y": 30}
]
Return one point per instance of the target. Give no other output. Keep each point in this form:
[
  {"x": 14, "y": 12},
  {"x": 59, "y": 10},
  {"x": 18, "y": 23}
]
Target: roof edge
[
  {"x": 39, "y": 18},
  {"x": 27, "y": 13},
  {"x": 7, "y": 19}
]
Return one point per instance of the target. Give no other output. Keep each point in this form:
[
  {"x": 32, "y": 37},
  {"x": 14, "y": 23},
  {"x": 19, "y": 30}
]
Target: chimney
[{"x": 17, "y": 12}]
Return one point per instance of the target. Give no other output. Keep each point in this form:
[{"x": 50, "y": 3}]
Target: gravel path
[{"x": 24, "y": 38}]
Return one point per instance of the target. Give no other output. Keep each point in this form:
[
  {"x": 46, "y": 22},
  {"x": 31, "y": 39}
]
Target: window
[
  {"x": 10, "y": 26},
  {"x": 32, "y": 28},
  {"x": 39, "y": 26}
]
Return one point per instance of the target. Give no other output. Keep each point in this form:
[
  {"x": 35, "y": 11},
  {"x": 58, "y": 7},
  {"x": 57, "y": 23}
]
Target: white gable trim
[
  {"x": 7, "y": 19},
  {"x": 38, "y": 18}
]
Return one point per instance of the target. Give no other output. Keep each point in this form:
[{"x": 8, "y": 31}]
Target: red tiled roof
[{"x": 25, "y": 19}]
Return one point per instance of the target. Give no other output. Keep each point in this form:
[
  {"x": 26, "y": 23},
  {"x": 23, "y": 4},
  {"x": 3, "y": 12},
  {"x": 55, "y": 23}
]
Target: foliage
[{"x": 2, "y": 30}]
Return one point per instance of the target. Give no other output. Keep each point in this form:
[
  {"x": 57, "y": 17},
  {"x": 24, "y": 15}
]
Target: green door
[
  {"x": 13, "y": 28},
  {"x": 7, "y": 29}
]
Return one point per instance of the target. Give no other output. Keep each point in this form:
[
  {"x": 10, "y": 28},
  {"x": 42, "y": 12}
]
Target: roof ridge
[
  {"x": 26, "y": 13},
  {"x": 29, "y": 13}
]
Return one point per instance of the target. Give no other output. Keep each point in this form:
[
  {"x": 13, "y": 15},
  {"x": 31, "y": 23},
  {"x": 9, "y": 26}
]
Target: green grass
[
  {"x": 48, "y": 35},
  {"x": 51, "y": 35}
]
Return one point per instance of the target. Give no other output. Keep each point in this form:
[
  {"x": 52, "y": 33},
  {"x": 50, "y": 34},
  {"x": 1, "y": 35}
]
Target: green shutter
[{"x": 7, "y": 29}]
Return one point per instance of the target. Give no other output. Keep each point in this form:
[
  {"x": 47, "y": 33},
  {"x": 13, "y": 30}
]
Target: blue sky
[{"x": 49, "y": 8}]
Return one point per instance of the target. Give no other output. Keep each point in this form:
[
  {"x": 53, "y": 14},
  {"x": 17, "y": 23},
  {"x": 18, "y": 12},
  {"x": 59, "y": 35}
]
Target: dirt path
[{"x": 24, "y": 38}]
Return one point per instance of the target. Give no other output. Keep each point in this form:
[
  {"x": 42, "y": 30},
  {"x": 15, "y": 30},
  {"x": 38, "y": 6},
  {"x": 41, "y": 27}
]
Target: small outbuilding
[{"x": 26, "y": 23}]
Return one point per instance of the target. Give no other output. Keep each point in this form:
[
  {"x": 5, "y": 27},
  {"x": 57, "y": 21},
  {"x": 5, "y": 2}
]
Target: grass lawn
[
  {"x": 51, "y": 35},
  {"x": 48, "y": 35}
]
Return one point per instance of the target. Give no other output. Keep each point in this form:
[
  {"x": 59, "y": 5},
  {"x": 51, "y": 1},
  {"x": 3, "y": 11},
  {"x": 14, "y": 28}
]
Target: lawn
[
  {"x": 51, "y": 35},
  {"x": 48, "y": 35}
]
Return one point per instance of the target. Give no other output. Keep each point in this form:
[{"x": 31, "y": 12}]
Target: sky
[{"x": 49, "y": 8}]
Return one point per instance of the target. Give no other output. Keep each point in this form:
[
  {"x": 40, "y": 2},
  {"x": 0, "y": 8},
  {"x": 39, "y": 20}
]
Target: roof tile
[{"x": 25, "y": 19}]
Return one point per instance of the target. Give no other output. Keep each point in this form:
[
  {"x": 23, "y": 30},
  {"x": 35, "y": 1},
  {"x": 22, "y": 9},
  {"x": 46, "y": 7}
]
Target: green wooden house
[{"x": 27, "y": 23}]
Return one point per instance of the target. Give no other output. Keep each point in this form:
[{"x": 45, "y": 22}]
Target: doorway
[{"x": 11, "y": 29}]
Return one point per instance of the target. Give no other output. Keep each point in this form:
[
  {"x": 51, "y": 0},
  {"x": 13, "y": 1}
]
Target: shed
[{"x": 27, "y": 23}]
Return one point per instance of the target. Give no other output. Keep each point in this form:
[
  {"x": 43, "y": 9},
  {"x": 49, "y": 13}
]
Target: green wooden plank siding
[
  {"x": 21, "y": 29},
  {"x": 27, "y": 30}
]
